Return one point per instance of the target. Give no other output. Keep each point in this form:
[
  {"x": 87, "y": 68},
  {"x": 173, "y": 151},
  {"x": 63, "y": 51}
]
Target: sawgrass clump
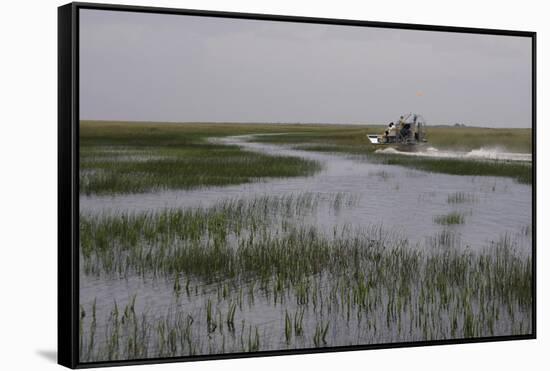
[
  {"x": 122, "y": 158},
  {"x": 450, "y": 219}
]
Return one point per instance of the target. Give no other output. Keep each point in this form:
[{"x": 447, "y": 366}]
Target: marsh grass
[
  {"x": 212, "y": 167},
  {"x": 121, "y": 158},
  {"x": 461, "y": 198},
  {"x": 521, "y": 172},
  {"x": 450, "y": 219},
  {"x": 174, "y": 240},
  {"x": 320, "y": 336},
  {"x": 362, "y": 283},
  {"x": 444, "y": 239}
]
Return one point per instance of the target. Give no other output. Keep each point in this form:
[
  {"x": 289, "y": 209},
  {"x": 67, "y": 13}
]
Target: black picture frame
[{"x": 68, "y": 179}]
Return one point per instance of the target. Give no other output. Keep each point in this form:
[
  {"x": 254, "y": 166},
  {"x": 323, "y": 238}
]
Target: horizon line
[{"x": 293, "y": 123}]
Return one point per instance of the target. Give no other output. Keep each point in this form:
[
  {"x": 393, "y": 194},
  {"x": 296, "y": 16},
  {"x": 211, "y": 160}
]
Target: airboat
[{"x": 410, "y": 130}]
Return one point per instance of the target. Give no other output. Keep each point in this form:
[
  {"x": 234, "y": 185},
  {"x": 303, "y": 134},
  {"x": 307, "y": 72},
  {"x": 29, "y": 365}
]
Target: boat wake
[{"x": 495, "y": 154}]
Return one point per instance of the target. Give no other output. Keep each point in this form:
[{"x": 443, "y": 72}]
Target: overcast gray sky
[{"x": 158, "y": 67}]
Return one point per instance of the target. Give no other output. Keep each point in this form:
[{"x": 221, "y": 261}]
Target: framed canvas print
[{"x": 235, "y": 185}]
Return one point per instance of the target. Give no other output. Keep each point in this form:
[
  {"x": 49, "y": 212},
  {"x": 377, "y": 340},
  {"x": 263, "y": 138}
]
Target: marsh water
[
  {"x": 402, "y": 199},
  {"x": 354, "y": 193}
]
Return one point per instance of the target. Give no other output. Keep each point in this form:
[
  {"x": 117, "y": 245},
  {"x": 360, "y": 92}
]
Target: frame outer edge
[
  {"x": 67, "y": 291},
  {"x": 68, "y": 201}
]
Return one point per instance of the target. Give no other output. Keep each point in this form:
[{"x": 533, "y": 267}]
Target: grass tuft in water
[
  {"x": 450, "y": 219},
  {"x": 461, "y": 198}
]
